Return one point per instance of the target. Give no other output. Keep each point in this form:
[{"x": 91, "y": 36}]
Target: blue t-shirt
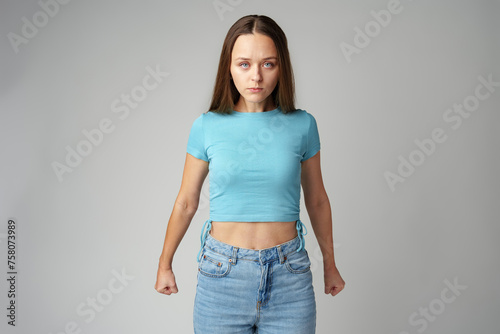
[{"x": 254, "y": 162}]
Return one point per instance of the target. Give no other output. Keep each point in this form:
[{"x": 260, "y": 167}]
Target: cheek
[
  {"x": 238, "y": 82},
  {"x": 273, "y": 78},
  {"x": 239, "y": 78},
  {"x": 233, "y": 69},
  {"x": 235, "y": 74}
]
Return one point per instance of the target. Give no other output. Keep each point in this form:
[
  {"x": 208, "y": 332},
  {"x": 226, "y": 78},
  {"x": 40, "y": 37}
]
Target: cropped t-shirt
[{"x": 254, "y": 162}]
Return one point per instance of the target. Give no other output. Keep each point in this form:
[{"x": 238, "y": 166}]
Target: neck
[{"x": 244, "y": 106}]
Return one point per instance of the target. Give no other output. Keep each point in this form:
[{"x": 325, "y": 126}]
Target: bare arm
[
  {"x": 320, "y": 213},
  {"x": 185, "y": 207}
]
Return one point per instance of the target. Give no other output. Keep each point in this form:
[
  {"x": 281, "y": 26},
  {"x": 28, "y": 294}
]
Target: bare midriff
[{"x": 253, "y": 235}]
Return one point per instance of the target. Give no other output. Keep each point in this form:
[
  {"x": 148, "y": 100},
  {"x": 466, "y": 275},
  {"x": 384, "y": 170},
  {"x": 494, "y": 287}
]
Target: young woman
[{"x": 253, "y": 269}]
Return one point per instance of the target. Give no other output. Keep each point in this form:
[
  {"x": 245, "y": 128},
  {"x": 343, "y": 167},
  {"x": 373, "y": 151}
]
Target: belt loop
[
  {"x": 280, "y": 254},
  {"x": 300, "y": 226},
  {"x": 235, "y": 255},
  {"x": 204, "y": 232}
]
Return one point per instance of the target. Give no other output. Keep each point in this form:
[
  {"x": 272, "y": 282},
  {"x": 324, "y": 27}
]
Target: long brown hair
[{"x": 225, "y": 94}]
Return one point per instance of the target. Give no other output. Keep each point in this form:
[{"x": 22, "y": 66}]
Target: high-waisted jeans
[{"x": 266, "y": 291}]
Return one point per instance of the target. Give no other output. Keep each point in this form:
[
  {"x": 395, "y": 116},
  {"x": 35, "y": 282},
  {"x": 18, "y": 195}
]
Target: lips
[{"x": 255, "y": 90}]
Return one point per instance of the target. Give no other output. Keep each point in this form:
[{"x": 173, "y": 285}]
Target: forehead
[{"x": 254, "y": 46}]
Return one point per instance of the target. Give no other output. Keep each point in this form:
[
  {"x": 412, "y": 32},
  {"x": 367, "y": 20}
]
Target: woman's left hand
[{"x": 333, "y": 281}]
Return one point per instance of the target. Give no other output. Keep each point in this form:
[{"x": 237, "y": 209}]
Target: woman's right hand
[{"x": 165, "y": 282}]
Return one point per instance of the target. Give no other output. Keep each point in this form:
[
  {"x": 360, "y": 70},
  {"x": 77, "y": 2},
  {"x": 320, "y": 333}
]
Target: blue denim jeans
[{"x": 266, "y": 291}]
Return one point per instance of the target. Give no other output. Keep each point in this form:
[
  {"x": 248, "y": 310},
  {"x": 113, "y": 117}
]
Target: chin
[{"x": 255, "y": 98}]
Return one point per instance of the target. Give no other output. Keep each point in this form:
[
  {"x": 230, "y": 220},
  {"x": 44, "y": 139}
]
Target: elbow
[
  {"x": 317, "y": 201},
  {"x": 187, "y": 206}
]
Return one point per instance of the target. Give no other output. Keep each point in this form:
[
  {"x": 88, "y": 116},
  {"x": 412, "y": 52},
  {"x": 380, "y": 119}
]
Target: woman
[{"x": 253, "y": 269}]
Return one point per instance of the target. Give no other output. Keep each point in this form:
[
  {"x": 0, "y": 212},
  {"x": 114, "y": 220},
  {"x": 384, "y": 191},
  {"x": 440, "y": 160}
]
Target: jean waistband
[{"x": 296, "y": 244}]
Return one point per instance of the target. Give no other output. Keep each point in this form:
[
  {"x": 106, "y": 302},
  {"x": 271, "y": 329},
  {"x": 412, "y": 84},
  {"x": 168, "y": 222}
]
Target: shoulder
[
  {"x": 311, "y": 120},
  {"x": 208, "y": 120},
  {"x": 301, "y": 113},
  {"x": 304, "y": 117},
  {"x": 308, "y": 115},
  {"x": 207, "y": 115},
  {"x": 213, "y": 116},
  {"x": 197, "y": 123}
]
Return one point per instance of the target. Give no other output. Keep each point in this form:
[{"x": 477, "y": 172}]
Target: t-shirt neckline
[{"x": 256, "y": 114}]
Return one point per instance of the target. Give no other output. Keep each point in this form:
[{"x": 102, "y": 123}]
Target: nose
[{"x": 256, "y": 75}]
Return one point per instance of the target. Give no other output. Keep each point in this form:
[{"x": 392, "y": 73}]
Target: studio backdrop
[{"x": 96, "y": 102}]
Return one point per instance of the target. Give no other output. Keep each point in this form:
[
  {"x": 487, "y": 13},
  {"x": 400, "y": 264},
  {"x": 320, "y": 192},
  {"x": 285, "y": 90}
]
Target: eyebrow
[{"x": 243, "y": 58}]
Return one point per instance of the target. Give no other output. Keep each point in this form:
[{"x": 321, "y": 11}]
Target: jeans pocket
[
  {"x": 213, "y": 264},
  {"x": 298, "y": 262}
]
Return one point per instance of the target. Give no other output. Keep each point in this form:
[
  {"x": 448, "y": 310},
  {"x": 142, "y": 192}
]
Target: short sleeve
[
  {"x": 196, "y": 140},
  {"x": 313, "y": 142}
]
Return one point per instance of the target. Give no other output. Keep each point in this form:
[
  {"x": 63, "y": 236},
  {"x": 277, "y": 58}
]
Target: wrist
[
  {"x": 164, "y": 264},
  {"x": 329, "y": 264}
]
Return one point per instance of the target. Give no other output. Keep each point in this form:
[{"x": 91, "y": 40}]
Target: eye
[
  {"x": 268, "y": 64},
  {"x": 244, "y": 65}
]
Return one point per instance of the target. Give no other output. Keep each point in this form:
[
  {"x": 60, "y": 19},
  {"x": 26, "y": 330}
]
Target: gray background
[{"x": 395, "y": 248}]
